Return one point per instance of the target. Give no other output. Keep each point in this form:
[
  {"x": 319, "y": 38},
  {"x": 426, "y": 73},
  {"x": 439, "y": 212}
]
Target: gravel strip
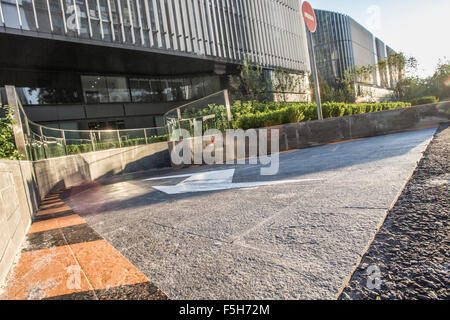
[{"x": 409, "y": 258}]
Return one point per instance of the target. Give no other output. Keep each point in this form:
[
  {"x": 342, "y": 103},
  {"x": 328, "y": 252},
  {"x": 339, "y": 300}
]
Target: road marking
[{"x": 214, "y": 181}]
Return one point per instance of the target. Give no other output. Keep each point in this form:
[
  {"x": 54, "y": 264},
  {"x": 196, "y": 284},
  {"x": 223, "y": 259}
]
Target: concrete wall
[
  {"x": 64, "y": 172},
  {"x": 315, "y": 133},
  {"x": 17, "y": 204},
  {"x": 23, "y": 184}
]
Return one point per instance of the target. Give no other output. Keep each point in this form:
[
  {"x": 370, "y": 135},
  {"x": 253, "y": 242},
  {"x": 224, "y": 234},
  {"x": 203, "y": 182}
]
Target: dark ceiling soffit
[{"x": 37, "y": 50}]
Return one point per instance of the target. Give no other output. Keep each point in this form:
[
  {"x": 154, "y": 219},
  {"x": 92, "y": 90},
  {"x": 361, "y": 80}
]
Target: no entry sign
[{"x": 309, "y": 16}]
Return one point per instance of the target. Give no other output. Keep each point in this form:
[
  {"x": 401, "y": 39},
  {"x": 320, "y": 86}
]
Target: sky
[{"x": 417, "y": 28}]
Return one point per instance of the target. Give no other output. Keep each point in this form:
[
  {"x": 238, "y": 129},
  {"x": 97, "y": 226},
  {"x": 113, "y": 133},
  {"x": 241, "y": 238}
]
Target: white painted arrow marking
[{"x": 214, "y": 181}]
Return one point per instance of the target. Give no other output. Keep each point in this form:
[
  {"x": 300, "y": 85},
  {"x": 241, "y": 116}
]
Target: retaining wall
[
  {"x": 64, "y": 172},
  {"x": 315, "y": 133},
  {"x": 17, "y": 204}
]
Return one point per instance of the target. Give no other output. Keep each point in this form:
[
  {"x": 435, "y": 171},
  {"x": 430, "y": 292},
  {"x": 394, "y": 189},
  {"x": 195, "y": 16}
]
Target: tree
[
  {"x": 285, "y": 83},
  {"x": 341, "y": 90},
  {"x": 439, "y": 83},
  {"x": 8, "y": 148},
  {"x": 252, "y": 85},
  {"x": 414, "y": 87}
]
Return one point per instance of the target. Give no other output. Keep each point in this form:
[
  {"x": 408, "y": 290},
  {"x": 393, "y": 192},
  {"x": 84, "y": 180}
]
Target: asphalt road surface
[{"x": 225, "y": 232}]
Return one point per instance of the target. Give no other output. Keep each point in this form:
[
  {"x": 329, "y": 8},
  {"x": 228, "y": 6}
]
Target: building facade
[
  {"x": 341, "y": 43},
  {"x": 95, "y": 64}
]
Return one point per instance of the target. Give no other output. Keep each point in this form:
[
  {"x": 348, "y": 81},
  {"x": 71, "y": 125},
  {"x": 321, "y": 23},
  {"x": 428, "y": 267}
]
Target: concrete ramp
[{"x": 270, "y": 240}]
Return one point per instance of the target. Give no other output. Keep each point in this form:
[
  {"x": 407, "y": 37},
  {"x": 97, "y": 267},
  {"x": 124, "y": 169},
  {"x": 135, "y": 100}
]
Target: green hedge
[
  {"x": 424, "y": 100},
  {"x": 272, "y": 114}
]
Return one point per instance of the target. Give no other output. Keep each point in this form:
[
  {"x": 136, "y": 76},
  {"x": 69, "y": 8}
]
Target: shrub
[
  {"x": 73, "y": 149},
  {"x": 424, "y": 100},
  {"x": 289, "y": 114},
  {"x": 8, "y": 148},
  {"x": 258, "y": 115}
]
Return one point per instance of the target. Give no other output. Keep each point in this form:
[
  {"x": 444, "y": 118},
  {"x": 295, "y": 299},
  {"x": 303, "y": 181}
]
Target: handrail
[{"x": 196, "y": 101}]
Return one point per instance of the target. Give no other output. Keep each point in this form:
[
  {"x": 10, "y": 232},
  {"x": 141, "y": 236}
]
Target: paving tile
[
  {"x": 61, "y": 209},
  {"x": 62, "y": 252},
  {"x": 46, "y": 273},
  {"x": 104, "y": 266},
  {"x": 44, "y": 240},
  {"x": 54, "y": 204},
  {"x": 60, "y": 237},
  {"x": 56, "y": 223},
  {"x": 50, "y": 201},
  {"x": 85, "y": 295},
  {"x": 79, "y": 234},
  {"x": 52, "y": 216},
  {"x": 140, "y": 291}
]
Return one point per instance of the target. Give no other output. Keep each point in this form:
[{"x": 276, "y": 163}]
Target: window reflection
[
  {"x": 95, "y": 19},
  {"x": 27, "y": 15},
  {"x": 94, "y": 89},
  {"x": 57, "y": 17},
  {"x": 98, "y": 89},
  {"x": 42, "y": 96},
  {"x": 118, "y": 89},
  {"x": 105, "y": 20},
  {"x": 145, "y": 90}
]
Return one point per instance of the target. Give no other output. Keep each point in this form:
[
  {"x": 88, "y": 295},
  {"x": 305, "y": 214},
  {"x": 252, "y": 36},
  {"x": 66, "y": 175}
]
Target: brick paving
[{"x": 64, "y": 258}]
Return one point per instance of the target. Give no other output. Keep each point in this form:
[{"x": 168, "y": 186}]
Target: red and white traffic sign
[{"x": 309, "y": 16}]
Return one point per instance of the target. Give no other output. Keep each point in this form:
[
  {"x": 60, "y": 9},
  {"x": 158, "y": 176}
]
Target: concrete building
[
  {"x": 95, "y": 64},
  {"x": 341, "y": 43}
]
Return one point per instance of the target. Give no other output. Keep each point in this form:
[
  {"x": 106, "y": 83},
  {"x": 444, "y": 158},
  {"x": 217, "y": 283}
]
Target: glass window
[
  {"x": 95, "y": 19},
  {"x": 156, "y": 90},
  {"x": 168, "y": 93},
  {"x": 27, "y": 15},
  {"x": 72, "y": 16},
  {"x": 125, "y": 12},
  {"x": 135, "y": 19},
  {"x": 83, "y": 21},
  {"x": 186, "y": 90},
  {"x": 118, "y": 89},
  {"x": 39, "y": 96},
  {"x": 104, "y": 9},
  {"x": 197, "y": 88},
  {"x": 176, "y": 89},
  {"x": 57, "y": 17},
  {"x": 115, "y": 19},
  {"x": 141, "y": 90},
  {"x": 10, "y": 15},
  {"x": 212, "y": 85},
  {"x": 98, "y": 89},
  {"x": 145, "y": 27},
  {"x": 95, "y": 89}
]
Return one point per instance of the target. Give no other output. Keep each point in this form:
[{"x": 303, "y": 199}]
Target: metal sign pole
[{"x": 314, "y": 75}]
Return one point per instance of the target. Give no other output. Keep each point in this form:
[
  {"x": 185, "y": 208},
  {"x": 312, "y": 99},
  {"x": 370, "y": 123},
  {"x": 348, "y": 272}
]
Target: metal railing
[
  {"x": 213, "y": 111},
  {"x": 41, "y": 142}
]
